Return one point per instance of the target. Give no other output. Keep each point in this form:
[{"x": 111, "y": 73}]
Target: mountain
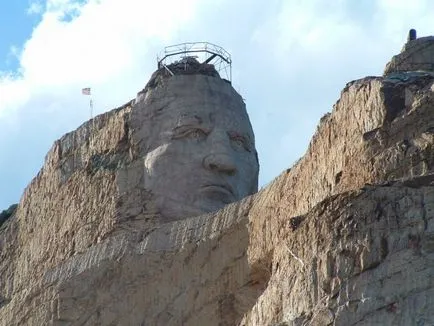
[{"x": 343, "y": 237}]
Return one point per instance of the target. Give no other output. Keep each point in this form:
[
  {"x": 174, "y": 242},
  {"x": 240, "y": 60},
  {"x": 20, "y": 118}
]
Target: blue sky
[
  {"x": 13, "y": 34},
  {"x": 291, "y": 59}
]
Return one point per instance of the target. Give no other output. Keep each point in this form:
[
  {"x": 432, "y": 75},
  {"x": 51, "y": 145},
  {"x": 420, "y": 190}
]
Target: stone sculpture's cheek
[
  {"x": 167, "y": 172},
  {"x": 175, "y": 172},
  {"x": 247, "y": 171}
]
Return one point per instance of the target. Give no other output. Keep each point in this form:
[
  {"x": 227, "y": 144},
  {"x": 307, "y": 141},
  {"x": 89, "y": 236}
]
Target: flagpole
[{"x": 87, "y": 91}]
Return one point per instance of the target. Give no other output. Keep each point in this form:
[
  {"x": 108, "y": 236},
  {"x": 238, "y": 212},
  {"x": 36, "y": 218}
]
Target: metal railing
[{"x": 206, "y": 52}]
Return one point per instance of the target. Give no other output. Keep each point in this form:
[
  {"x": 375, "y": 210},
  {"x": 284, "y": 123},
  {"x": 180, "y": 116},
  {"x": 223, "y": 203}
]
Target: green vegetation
[{"x": 4, "y": 215}]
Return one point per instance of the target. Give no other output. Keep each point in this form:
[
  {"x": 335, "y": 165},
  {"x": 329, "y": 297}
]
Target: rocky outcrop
[
  {"x": 358, "y": 258},
  {"x": 344, "y": 237},
  {"x": 416, "y": 55},
  {"x": 379, "y": 131},
  {"x": 7, "y": 213},
  {"x": 68, "y": 206}
]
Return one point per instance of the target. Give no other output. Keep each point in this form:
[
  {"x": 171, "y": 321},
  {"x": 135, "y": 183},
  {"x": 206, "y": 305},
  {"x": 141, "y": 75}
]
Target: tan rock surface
[
  {"x": 358, "y": 258},
  {"x": 416, "y": 55},
  {"x": 317, "y": 246}
]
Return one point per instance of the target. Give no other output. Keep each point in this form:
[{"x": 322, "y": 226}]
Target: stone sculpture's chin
[
  {"x": 206, "y": 202},
  {"x": 178, "y": 212},
  {"x": 207, "y": 205}
]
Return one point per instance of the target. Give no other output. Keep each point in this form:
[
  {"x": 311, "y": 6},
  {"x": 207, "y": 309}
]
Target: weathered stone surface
[
  {"x": 416, "y": 55},
  {"x": 197, "y": 144},
  {"x": 358, "y": 258},
  {"x": 363, "y": 258},
  {"x": 344, "y": 237}
]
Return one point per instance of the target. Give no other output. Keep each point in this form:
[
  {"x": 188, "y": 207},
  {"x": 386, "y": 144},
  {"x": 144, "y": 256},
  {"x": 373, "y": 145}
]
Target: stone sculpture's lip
[{"x": 223, "y": 188}]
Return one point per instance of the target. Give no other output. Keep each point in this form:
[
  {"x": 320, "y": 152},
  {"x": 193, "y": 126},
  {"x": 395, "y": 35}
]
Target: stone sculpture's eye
[
  {"x": 196, "y": 134},
  {"x": 240, "y": 142},
  {"x": 189, "y": 132}
]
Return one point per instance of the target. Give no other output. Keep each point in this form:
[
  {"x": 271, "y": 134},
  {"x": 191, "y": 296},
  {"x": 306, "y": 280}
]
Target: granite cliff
[{"x": 344, "y": 237}]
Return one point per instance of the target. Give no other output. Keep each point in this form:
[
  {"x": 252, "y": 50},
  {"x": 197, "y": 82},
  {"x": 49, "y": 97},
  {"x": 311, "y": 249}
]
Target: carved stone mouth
[{"x": 224, "y": 191}]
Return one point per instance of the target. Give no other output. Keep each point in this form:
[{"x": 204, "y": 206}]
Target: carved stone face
[{"x": 204, "y": 157}]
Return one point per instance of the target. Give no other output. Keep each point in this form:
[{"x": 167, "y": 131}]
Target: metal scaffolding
[{"x": 203, "y": 52}]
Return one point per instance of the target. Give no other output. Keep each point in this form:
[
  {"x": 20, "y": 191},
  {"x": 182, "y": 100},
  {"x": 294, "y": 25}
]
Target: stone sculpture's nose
[{"x": 220, "y": 162}]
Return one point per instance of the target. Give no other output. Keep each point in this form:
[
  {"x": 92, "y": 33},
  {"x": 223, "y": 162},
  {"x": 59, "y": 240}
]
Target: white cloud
[
  {"x": 396, "y": 16},
  {"x": 317, "y": 27},
  {"x": 35, "y": 8},
  {"x": 13, "y": 94},
  {"x": 305, "y": 25},
  {"x": 100, "y": 42}
]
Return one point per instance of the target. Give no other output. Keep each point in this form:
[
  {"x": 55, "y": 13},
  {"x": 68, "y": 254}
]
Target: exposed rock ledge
[
  {"x": 335, "y": 240},
  {"x": 359, "y": 258}
]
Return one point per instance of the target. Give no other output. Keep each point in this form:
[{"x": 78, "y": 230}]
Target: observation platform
[{"x": 196, "y": 53}]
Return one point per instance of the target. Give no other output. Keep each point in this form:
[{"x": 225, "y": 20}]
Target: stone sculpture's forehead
[
  {"x": 208, "y": 117},
  {"x": 207, "y": 101}
]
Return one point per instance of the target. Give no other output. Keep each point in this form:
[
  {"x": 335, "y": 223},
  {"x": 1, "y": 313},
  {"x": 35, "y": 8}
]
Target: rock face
[
  {"x": 416, "y": 55},
  {"x": 344, "y": 237}
]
